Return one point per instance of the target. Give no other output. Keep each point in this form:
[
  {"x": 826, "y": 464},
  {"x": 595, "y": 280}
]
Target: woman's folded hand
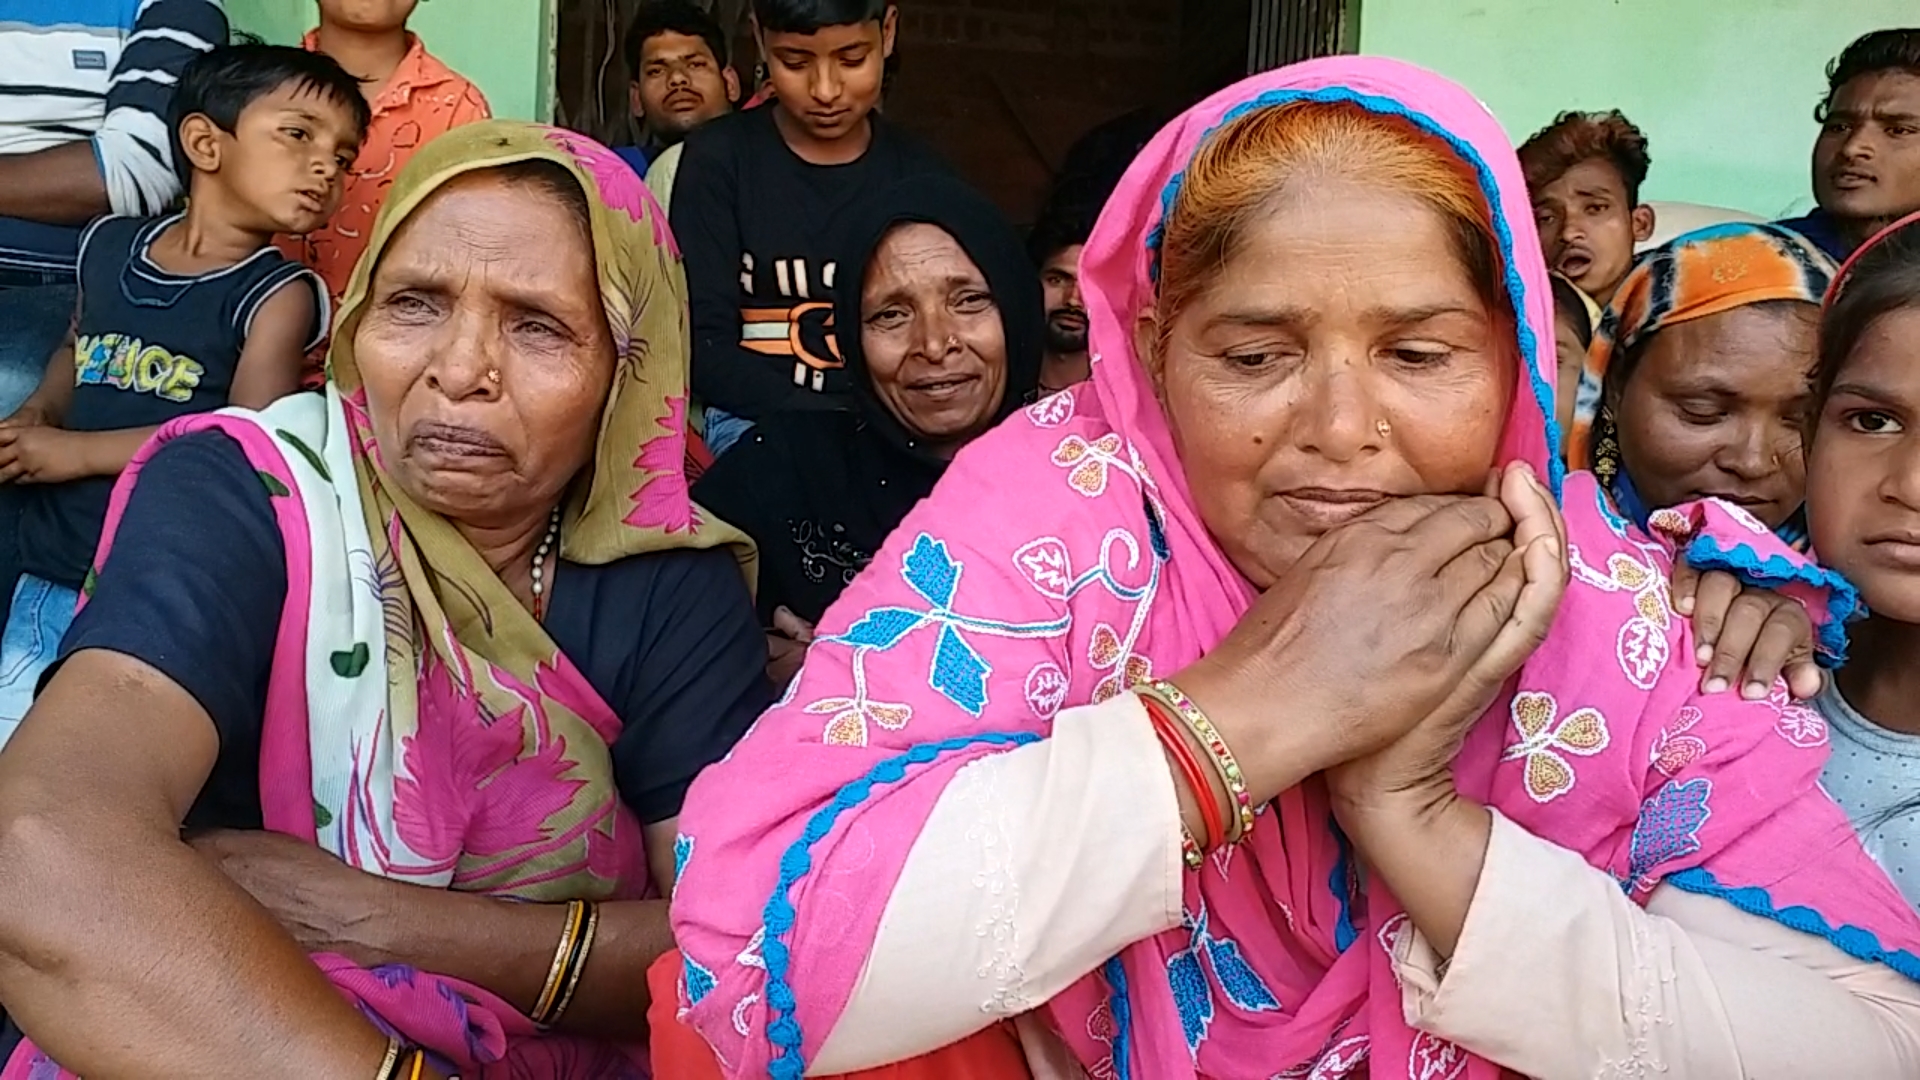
[
  {"x": 324, "y": 904},
  {"x": 1510, "y": 621},
  {"x": 1419, "y": 607}
]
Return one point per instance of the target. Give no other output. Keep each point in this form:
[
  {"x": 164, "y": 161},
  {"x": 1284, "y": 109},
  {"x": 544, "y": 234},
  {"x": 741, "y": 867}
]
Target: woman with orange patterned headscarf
[{"x": 1695, "y": 385}]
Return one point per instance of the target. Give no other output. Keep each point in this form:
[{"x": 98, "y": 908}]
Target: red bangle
[{"x": 1168, "y": 730}]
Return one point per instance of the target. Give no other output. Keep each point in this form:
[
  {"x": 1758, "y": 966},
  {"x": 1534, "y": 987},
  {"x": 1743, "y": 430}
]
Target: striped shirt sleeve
[{"x": 134, "y": 144}]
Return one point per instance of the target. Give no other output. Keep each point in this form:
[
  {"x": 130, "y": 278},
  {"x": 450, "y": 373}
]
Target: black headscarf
[{"x": 819, "y": 492}]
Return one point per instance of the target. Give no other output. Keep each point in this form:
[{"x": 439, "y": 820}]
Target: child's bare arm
[
  {"x": 42, "y": 454},
  {"x": 48, "y": 402},
  {"x": 275, "y": 354}
]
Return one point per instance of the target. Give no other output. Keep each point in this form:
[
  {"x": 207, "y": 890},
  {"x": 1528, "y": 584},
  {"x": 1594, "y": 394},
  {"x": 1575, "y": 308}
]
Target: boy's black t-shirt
[
  {"x": 150, "y": 346},
  {"x": 760, "y": 231}
]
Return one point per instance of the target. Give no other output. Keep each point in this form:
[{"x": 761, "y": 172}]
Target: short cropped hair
[
  {"x": 1870, "y": 54},
  {"x": 658, "y": 17},
  {"x": 221, "y": 83},
  {"x": 1574, "y": 137}
]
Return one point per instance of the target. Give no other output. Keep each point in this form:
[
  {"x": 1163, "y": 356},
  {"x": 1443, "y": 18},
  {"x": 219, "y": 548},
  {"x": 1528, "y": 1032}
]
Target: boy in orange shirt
[{"x": 414, "y": 98}]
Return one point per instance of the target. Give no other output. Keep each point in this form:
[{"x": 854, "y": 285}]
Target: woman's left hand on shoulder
[
  {"x": 1417, "y": 768},
  {"x": 324, "y": 904},
  {"x": 1745, "y": 637}
]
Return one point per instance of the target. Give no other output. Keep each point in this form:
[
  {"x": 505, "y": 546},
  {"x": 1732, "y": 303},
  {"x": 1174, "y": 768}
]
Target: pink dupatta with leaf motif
[{"x": 1061, "y": 559}]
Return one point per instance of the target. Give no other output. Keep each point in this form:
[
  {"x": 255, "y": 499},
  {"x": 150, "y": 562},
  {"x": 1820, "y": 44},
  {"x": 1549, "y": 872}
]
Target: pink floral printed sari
[
  {"x": 1061, "y": 559},
  {"x": 421, "y": 725}
]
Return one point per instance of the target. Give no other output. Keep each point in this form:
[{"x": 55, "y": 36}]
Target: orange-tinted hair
[{"x": 1240, "y": 169}]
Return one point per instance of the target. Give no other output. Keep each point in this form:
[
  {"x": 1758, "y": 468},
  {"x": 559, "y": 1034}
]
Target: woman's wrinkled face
[
  {"x": 485, "y": 351},
  {"x": 935, "y": 345},
  {"x": 1863, "y": 469},
  {"x": 1717, "y": 406},
  {"x": 1340, "y": 358}
]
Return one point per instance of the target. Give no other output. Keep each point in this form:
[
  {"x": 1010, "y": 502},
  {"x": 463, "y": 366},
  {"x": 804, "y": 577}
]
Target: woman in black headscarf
[{"x": 939, "y": 321}]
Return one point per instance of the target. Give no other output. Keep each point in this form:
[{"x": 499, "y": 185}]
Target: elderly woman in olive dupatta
[{"x": 452, "y": 634}]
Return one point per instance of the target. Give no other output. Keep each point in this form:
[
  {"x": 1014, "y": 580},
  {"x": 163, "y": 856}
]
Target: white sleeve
[
  {"x": 1559, "y": 975},
  {"x": 1034, "y": 867}
]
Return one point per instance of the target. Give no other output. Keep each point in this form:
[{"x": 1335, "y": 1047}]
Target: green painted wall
[
  {"x": 1724, "y": 89},
  {"x": 504, "y": 46}
]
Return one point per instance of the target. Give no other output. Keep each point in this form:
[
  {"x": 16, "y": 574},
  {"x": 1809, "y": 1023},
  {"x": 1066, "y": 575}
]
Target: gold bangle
[
  {"x": 577, "y": 964},
  {"x": 1209, "y": 737},
  {"x": 390, "y": 1063},
  {"x": 419, "y": 1062},
  {"x": 557, "y": 973}
]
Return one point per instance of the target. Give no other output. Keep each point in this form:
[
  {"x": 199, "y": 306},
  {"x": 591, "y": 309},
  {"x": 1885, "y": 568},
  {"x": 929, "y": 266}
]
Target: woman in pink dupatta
[{"x": 958, "y": 816}]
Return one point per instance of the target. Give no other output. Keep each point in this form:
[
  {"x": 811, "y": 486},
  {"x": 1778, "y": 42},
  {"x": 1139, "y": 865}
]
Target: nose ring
[{"x": 493, "y": 376}]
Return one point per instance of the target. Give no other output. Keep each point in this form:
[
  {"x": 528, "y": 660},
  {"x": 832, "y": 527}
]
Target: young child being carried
[{"x": 181, "y": 314}]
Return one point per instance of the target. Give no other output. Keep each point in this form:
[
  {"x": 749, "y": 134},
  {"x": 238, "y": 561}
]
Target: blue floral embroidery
[
  {"x": 1668, "y": 829},
  {"x": 1612, "y": 516},
  {"x": 1115, "y": 972},
  {"x": 1344, "y": 884},
  {"x": 682, "y": 852},
  {"x": 699, "y": 981},
  {"x": 1193, "y": 993},
  {"x": 958, "y": 671}
]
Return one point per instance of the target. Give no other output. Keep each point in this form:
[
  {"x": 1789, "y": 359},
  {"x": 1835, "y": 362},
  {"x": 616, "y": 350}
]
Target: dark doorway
[{"x": 1002, "y": 88}]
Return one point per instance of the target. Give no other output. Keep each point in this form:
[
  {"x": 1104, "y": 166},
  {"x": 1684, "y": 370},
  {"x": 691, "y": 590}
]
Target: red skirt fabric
[{"x": 681, "y": 1054}]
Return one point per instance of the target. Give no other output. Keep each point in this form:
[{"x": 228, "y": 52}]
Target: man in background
[
  {"x": 1866, "y": 160},
  {"x": 1584, "y": 173},
  {"x": 677, "y": 57},
  {"x": 83, "y": 132},
  {"x": 1055, "y": 245},
  {"x": 1091, "y": 170}
]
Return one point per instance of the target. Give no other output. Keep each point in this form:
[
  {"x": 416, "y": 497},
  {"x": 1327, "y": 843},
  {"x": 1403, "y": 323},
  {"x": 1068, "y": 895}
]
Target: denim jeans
[
  {"x": 42, "y": 611},
  {"x": 35, "y": 311},
  {"x": 724, "y": 429}
]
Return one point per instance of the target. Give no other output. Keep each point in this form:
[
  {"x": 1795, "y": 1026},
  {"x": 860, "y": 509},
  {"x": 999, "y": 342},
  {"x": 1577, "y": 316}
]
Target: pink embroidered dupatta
[{"x": 1061, "y": 560}]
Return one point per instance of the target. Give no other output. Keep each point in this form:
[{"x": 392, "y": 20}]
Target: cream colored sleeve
[
  {"x": 1035, "y": 866},
  {"x": 1559, "y": 976},
  {"x": 661, "y": 174}
]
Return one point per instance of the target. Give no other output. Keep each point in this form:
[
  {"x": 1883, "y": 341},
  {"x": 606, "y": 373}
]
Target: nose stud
[
  {"x": 1385, "y": 429},
  {"x": 493, "y": 376}
]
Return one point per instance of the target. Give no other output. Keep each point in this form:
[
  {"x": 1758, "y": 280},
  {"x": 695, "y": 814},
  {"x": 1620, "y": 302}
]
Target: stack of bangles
[
  {"x": 569, "y": 961},
  {"x": 401, "y": 1063},
  {"x": 1170, "y": 710}
]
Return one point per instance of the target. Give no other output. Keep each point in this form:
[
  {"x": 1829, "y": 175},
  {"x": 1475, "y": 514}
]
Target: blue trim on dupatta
[
  {"x": 783, "y": 1027},
  {"x": 1852, "y": 940}
]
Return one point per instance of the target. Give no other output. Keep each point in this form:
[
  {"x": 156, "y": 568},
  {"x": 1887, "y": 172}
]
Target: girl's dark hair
[
  {"x": 221, "y": 83},
  {"x": 1885, "y": 278},
  {"x": 811, "y": 16}
]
